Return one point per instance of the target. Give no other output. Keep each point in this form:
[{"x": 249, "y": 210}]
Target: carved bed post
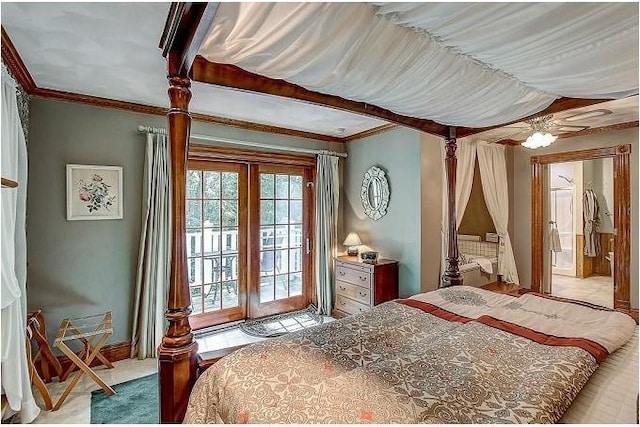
[
  {"x": 178, "y": 353},
  {"x": 451, "y": 276}
]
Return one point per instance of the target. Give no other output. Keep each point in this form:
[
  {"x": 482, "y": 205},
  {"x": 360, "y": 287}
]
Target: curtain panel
[
  {"x": 326, "y": 229},
  {"x": 466, "y": 160},
  {"x": 154, "y": 258},
  {"x": 493, "y": 174},
  {"x": 16, "y": 383}
]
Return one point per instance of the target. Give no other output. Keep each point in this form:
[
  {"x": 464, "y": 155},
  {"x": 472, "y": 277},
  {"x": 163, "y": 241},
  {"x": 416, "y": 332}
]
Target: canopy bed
[{"x": 432, "y": 67}]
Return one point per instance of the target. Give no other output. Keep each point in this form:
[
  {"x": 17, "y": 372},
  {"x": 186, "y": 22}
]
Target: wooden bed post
[
  {"x": 451, "y": 276},
  {"x": 178, "y": 353}
]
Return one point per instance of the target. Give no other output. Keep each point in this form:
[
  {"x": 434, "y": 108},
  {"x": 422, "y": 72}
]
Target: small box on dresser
[{"x": 360, "y": 286}]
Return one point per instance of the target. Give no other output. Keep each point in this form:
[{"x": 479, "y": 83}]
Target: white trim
[{"x": 148, "y": 129}]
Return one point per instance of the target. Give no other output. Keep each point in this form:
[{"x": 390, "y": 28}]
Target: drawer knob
[
  {"x": 341, "y": 302},
  {"x": 363, "y": 278},
  {"x": 340, "y": 272},
  {"x": 342, "y": 288},
  {"x": 362, "y": 294}
]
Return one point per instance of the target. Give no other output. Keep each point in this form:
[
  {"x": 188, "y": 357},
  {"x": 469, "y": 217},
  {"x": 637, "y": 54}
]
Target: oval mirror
[{"x": 375, "y": 193}]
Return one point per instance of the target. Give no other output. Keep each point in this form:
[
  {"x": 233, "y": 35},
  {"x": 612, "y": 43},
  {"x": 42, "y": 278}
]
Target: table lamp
[{"x": 353, "y": 241}]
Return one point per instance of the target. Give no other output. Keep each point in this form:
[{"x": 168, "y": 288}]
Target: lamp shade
[{"x": 352, "y": 240}]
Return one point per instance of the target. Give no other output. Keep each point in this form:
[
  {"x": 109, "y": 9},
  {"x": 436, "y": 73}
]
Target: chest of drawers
[{"x": 360, "y": 286}]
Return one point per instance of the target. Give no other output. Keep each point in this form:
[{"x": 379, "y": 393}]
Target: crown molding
[
  {"x": 16, "y": 66},
  {"x": 14, "y": 63},
  {"x": 370, "y": 132},
  {"x": 602, "y": 129}
]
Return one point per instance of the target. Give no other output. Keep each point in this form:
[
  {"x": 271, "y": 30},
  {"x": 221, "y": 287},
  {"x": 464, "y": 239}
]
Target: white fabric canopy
[
  {"x": 459, "y": 64},
  {"x": 493, "y": 174},
  {"x": 16, "y": 384},
  {"x": 466, "y": 162}
]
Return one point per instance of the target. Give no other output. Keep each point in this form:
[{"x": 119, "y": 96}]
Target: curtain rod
[{"x": 163, "y": 131}]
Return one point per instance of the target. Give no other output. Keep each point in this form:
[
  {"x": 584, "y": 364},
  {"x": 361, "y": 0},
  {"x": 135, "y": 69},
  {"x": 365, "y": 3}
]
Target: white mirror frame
[{"x": 374, "y": 213}]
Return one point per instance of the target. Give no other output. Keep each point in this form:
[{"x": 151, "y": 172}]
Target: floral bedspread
[{"x": 396, "y": 363}]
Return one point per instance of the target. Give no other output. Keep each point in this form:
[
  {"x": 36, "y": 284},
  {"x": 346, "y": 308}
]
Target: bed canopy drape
[
  {"x": 16, "y": 382},
  {"x": 434, "y": 67}
]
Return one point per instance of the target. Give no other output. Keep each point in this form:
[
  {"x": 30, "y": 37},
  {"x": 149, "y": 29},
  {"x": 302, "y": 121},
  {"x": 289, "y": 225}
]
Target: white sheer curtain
[
  {"x": 15, "y": 375},
  {"x": 406, "y": 58},
  {"x": 466, "y": 161},
  {"x": 493, "y": 174},
  {"x": 154, "y": 259},
  {"x": 327, "y": 197}
]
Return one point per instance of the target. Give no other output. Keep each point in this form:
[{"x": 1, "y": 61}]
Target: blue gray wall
[
  {"x": 78, "y": 268},
  {"x": 410, "y": 231}
]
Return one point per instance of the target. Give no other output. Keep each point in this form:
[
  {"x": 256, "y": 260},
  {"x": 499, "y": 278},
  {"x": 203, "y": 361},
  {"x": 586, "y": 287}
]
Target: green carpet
[{"x": 135, "y": 402}]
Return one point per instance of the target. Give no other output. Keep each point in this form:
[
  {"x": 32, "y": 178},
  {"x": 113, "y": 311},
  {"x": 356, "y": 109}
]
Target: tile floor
[
  {"x": 593, "y": 289},
  {"x": 77, "y": 407}
]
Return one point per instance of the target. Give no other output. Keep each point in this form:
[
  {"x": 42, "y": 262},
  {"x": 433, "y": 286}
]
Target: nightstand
[{"x": 360, "y": 286}]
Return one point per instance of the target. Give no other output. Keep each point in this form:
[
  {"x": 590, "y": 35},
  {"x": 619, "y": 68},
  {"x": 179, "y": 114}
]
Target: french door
[{"x": 248, "y": 243}]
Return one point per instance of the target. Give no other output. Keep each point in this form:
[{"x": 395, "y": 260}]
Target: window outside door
[{"x": 248, "y": 244}]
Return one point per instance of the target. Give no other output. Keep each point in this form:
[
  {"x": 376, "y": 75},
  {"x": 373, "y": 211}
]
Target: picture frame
[{"x": 94, "y": 192}]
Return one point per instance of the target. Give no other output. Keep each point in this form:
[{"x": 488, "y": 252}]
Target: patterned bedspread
[{"x": 408, "y": 361}]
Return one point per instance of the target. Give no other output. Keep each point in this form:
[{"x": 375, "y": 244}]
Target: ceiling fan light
[{"x": 538, "y": 140}]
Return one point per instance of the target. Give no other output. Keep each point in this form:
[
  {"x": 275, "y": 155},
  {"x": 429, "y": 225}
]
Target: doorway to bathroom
[
  {"x": 611, "y": 262},
  {"x": 581, "y": 238}
]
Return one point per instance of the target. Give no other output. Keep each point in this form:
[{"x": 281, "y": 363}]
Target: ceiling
[{"x": 110, "y": 50}]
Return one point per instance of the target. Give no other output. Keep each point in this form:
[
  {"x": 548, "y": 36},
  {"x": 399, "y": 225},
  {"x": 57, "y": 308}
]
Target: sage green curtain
[
  {"x": 154, "y": 259},
  {"x": 326, "y": 233}
]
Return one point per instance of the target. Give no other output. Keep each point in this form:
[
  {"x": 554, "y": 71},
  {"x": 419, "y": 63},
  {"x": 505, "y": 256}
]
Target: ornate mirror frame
[{"x": 375, "y": 212}]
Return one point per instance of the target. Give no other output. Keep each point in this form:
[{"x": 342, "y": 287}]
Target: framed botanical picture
[{"x": 94, "y": 192}]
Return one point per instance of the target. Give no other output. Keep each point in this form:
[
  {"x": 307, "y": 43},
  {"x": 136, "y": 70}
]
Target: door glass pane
[
  {"x": 194, "y": 271},
  {"x": 295, "y": 284},
  {"x": 211, "y": 185},
  {"x": 212, "y": 213},
  {"x": 212, "y": 297},
  {"x": 230, "y": 294},
  {"x": 267, "y": 263},
  {"x": 295, "y": 259},
  {"x": 230, "y": 239},
  {"x": 194, "y": 213},
  {"x": 282, "y": 186},
  {"x": 295, "y": 182},
  {"x": 266, "y": 289},
  {"x": 285, "y": 238},
  {"x": 282, "y": 261},
  {"x": 194, "y": 242},
  {"x": 194, "y": 181},
  {"x": 266, "y": 186},
  {"x": 296, "y": 212},
  {"x": 230, "y": 213},
  {"x": 196, "y": 299},
  {"x": 267, "y": 212},
  {"x": 267, "y": 237},
  {"x": 282, "y": 286},
  {"x": 212, "y": 239},
  {"x": 282, "y": 212}
]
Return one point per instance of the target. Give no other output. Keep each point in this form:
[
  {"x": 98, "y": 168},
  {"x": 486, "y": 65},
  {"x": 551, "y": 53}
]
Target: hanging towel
[
  {"x": 591, "y": 241},
  {"x": 554, "y": 238}
]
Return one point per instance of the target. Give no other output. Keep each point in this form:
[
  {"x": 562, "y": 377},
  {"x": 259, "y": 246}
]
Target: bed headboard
[{"x": 485, "y": 249}]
